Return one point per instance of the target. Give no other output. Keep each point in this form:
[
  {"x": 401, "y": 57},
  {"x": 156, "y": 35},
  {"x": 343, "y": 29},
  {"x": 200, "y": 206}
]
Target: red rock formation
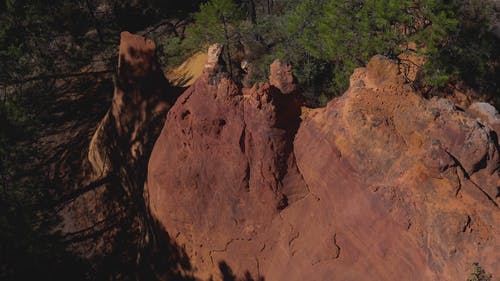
[
  {"x": 379, "y": 185},
  {"x": 414, "y": 210},
  {"x": 140, "y": 101},
  {"x": 106, "y": 216},
  {"x": 281, "y": 77},
  {"x": 228, "y": 152}
]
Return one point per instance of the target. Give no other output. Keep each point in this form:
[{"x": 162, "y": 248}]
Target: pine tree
[{"x": 217, "y": 22}]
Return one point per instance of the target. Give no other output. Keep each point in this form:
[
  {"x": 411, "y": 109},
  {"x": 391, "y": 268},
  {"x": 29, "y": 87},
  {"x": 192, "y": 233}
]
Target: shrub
[{"x": 478, "y": 274}]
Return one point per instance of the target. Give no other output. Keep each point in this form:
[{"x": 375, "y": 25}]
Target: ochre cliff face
[
  {"x": 227, "y": 151},
  {"x": 409, "y": 185},
  {"x": 380, "y": 184}
]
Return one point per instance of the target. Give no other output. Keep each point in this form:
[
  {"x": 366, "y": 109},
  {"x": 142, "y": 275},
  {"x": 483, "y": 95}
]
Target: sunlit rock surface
[{"x": 380, "y": 184}]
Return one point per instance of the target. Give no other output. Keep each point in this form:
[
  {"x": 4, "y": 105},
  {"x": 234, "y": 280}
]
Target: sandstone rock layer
[{"x": 380, "y": 184}]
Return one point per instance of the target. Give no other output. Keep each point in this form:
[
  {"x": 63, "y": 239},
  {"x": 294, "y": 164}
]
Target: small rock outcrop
[
  {"x": 486, "y": 114},
  {"x": 140, "y": 102},
  {"x": 380, "y": 184},
  {"x": 281, "y": 77}
]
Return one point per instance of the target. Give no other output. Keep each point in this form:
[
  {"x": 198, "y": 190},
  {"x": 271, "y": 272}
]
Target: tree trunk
[
  {"x": 253, "y": 14},
  {"x": 229, "y": 59},
  {"x": 94, "y": 19}
]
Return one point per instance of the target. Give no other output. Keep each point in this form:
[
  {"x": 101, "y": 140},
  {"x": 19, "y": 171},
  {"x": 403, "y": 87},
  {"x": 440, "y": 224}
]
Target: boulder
[{"x": 486, "y": 113}]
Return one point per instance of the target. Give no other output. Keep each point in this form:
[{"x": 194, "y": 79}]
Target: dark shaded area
[
  {"x": 47, "y": 38},
  {"x": 34, "y": 170},
  {"x": 135, "y": 16},
  {"x": 126, "y": 140},
  {"x": 227, "y": 274},
  {"x": 164, "y": 259},
  {"x": 44, "y": 170}
]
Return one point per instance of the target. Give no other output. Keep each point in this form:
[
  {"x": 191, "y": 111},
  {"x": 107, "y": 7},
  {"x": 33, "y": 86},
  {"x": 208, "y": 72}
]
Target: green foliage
[
  {"x": 346, "y": 34},
  {"x": 171, "y": 51},
  {"x": 468, "y": 50},
  {"x": 479, "y": 274},
  {"x": 324, "y": 39},
  {"x": 327, "y": 39},
  {"x": 217, "y": 22}
]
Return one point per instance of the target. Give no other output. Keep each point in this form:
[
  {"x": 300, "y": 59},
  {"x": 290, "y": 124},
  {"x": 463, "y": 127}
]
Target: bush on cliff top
[{"x": 479, "y": 274}]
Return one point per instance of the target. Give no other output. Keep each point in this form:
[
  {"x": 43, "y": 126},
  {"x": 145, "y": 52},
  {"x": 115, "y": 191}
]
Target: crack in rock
[{"x": 467, "y": 177}]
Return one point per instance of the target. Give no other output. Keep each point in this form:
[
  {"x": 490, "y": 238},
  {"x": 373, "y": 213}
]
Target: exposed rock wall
[
  {"x": 380, "y": 184},
  {"x": 228, "y": 151}
]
